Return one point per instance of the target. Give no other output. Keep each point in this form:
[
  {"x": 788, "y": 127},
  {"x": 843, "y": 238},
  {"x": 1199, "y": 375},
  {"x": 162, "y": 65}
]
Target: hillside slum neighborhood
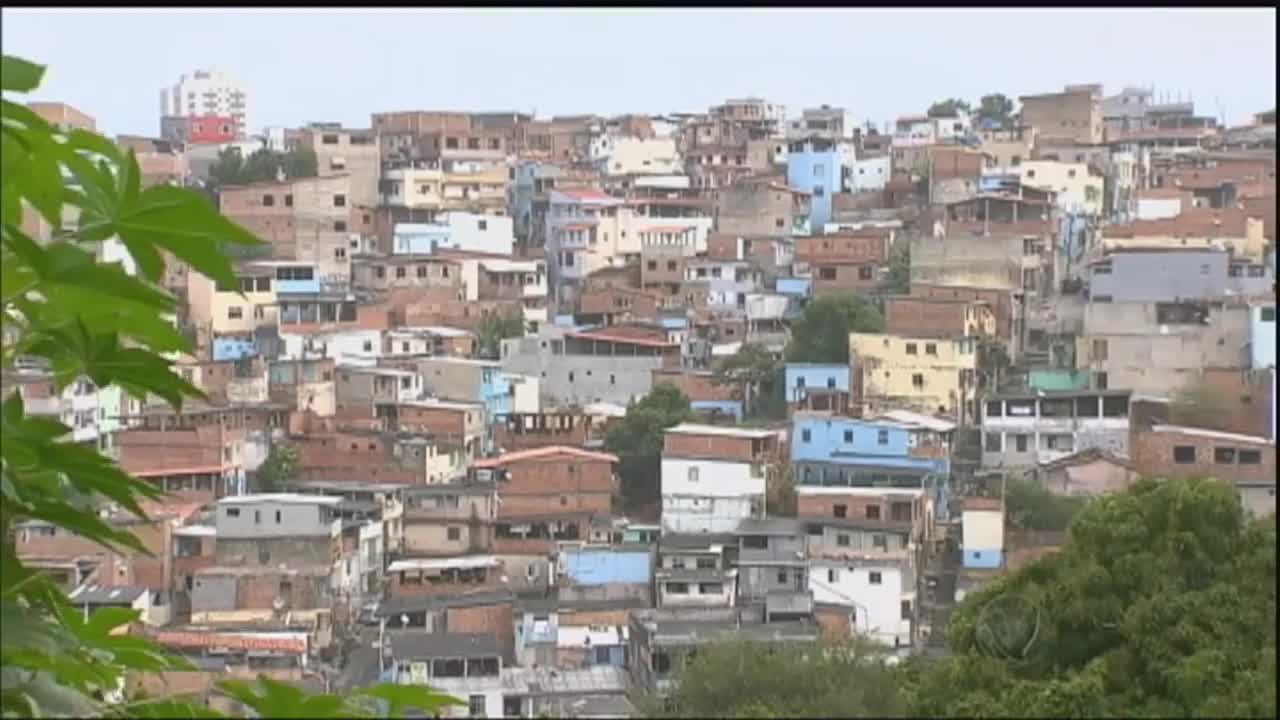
[{"x": 451, "y": 313}]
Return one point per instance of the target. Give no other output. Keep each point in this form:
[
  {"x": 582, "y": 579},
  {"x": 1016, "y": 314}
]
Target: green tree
[
  {"x": 495, "y": 328},
  {"x": 280, "y": 468},
  {"x": 262, "y": 165},
  {"x": 997, "y": 108},
  {"x": 1030, "y": 506},
  {"x": 823, "y": 679},
  {"x": 228, "y": 169},
  {"x": 1199, "y": 404},
  {"x": 993, "y": 361},
  {"x": 637, "y": 441},
  {"x": 301, "y": 163},
  {"x": 82, "y": 318},
  {"x": 898, "y": 279},
  {"x": 1162, "y": 603},
  {"x": 780, "y": 491},
  {"x": 821, "y": 334},
  {"x": 948, "y": 108},
  {"x": 749, "y": 369}
]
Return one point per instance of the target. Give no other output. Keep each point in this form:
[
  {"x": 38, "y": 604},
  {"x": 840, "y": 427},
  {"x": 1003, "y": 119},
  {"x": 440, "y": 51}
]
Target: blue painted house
[
  {"x": 898, "y": 449},
  {"x": 802, "y": 378},
  {"x": 817, "y": 166}
]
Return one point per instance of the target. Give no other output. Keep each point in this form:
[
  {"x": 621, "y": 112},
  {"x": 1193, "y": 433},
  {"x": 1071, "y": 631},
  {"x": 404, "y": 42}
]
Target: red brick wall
[
  {"x": 638, "y": 304},
  {"x": 444, "y": 422},
  {"x": 496, "y": 619},
  {"x": 697, "y": 386},
  {"x": 1153, "y": 456},
  {"x": 865, "y": 247},
  {"x": 916, "y": 317},
  {"x": 823, "y": 506},
  {"x": 848, "y": 277},
  {"x": 999, "y": 300},
  {"x": 717, "y": 447},
  {"x": 510, "y": 440},
  {"x": 566, "y": 484}
]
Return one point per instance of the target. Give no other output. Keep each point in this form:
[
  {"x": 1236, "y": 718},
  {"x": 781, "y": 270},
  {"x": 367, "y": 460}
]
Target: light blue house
[
  {"x": 801, "y": 378},
  {"x": 817, "y": 166},
  {"x": 898, "y": 449},
  {"x": 297, "y": 278},
  {"x": 795, "y": 286},
  {"x": 1262, "y": 335},
  {"x": 420, "y": 238},
  {"x": 234, "y": 347}
]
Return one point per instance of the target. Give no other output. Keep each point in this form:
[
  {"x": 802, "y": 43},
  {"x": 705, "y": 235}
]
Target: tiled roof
[
  {"x": 232, "y": 642},
  {"x": 544, "y": 452}
]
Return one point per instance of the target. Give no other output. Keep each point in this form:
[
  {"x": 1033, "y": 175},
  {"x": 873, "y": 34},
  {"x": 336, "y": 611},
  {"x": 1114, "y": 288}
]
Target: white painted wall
[
  {"x": 983, "y": 529},
  {"x": 709, "y": 495},
  {"x": 351, "y": 347},
  {"x": 1159, "y": 208},
  {"x": 878, "y": 606},
  {"x": 870, "y": 174},
  {"x": 480, "y": 233}
]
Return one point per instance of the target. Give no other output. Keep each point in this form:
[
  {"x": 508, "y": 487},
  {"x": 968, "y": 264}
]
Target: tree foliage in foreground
[
  {"x": 280, "y": 468},
  {"x": 1162, "y": 604},
  {"x": 750, "y": 369},
  {"x": 827, "y": 679},
  {"x": 637, "y": 441},
  {"x": 821, "y": 334},
  {"x": 88, "y": 319},
  {"x": 495, "y": 328}
]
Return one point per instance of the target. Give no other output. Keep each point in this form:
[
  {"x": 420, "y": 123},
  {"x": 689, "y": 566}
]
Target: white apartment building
[
  {"x": 880, "y": 592},
  {"x": 207, "y": 92},
  {"x": 710, "y": 495}
]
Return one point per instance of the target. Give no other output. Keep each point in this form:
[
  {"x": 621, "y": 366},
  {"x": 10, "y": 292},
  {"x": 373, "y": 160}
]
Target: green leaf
[
  {"x": 18, "y": 75},
  {"x": 103, "y": 621},
  {"x": 401, "y": 697},
  {"x": 184, "y": 223}
]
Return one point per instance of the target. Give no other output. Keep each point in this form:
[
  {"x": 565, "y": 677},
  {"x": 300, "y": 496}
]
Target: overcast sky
[{"x": 301, "y": 66}]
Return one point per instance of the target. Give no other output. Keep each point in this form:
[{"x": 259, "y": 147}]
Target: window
[
  {"x": 880, "y": 542},
  {"x": 1020, "y": 443},
  {"x": 677, "y": 588},
  {"x": 1184, "y": 454},
  {"x": 865, "y": 272},
  {"x": 1268, "y": 314},
  {"x": 400, "y": 273},
  {"x": 422, "y": 271},
  {"x": 339, "y": 225},
  {"x": 1250, "y": 457},
  {"x": 842, "y": 540},
  {"x": 1099, "y": 381},
  {"x": 475, "y": 704},
  {"x": 368, "y": 346},
  {"x": 482, "y": 224},
  {"x": 931, "y": 349},
  {"x": 906, "y": 609},
  {"x": 848, "y": 436},
  {"x": 992, "y": 442},
  {"x": 1224, "y": 456},
  {"x": 1031, "y": 174},
  {"x": 339, "y": 253},
  {"x": 917, "y": 381},
  {"x": 782, "y": 576},
  {"x": 833, "y": 575},
  {"x": 235, "y": 312},
  {"x": 818, "y": 191},
  {"x": 873, "y": 512},
  {"x": 827, "y": 273},
  {"x": 874, "y": 578},
  {"x": 804, "y": 436},
  {"x": 840, "y": 510},
  {"x": 257, "y": 517},
  {"x": 233, "y": 512},
  {"x": 693, "y": 474},
  {"x": 454, "y": 534},
  {"x": 339, "y": 200},
  {"x": 288, "y": 200},
  {"x": 911, "y": 349},
  {"x": 882, "y": 437},
  {"x": 1071, "y": 173},
  {"x": 268, "y": 201}
]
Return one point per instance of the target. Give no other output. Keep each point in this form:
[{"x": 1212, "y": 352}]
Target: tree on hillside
[
  {"x": 1199, "y": 404},
  {"x": 1162, "y": 603},
  {"x": 780, "y": 491},
  {"x": 637, "y": 441},
  {"x": 996, "y": 108},
  {"x": 821, "y": 334},
  {"x": 85, "y": 319},
  {"x": 494, "y": 328},
  {"x": 262, "y": 165},
  {"x": 1030, "y": 506},
  {"x": 898, "y": 279},
  {"x": 280, "y": 468},
  {"x": 752, "y": 367},
  {"x": 948, "y": 108},
  {"x": 823, "y": 679}
]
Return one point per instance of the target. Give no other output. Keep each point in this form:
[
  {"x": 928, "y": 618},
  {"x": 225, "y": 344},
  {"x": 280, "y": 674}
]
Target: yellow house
[
  {"x": 240, "y": 310},
  {"x": 930, "y": 375},
  {"x": 414, "y": 187},
  {"x": 1077, "y": 188}
]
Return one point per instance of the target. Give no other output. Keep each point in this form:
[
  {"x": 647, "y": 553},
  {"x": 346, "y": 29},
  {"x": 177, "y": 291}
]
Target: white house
[
  {"x": 348, "y": 347},
  {"x": 880, "y": 593}
]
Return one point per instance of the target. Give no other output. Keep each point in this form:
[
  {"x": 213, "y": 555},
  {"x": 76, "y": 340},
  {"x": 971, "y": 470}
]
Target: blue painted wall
[
  {"x": 814, "y": 376},
  {"x": 728, "y": 407},
  {"x": 982, "y": 558},
  {"x": 852, "y": 442},
  {"x": 287, "y": 287},
  {"x": 420, "y": 238},
  {"x": 1262, "y": 340},
  {"x": 590, "y": 566},
  {"x": 801, "y": 287},
  {"x": 233, "y": 348},
  {"x": 814, "y": 172}
]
